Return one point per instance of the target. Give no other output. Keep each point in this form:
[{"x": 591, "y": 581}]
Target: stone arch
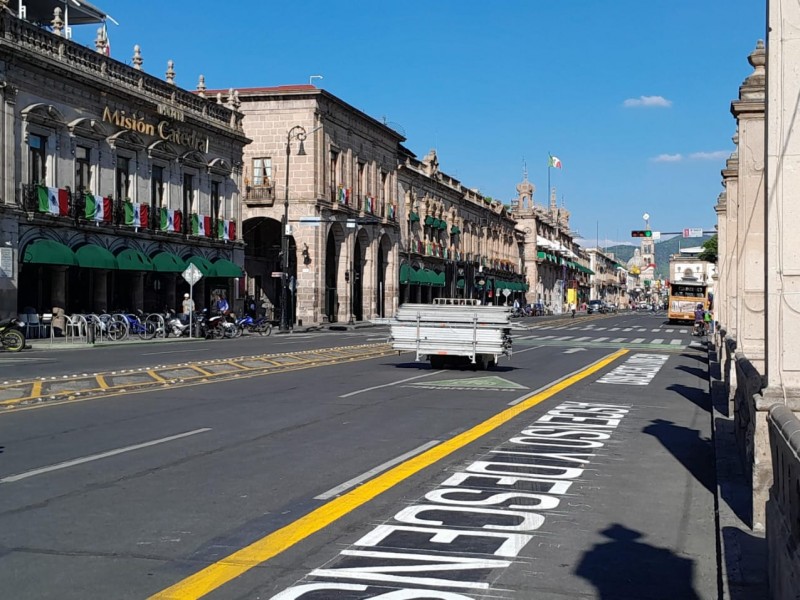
[
  {"x": 43, "y": 114},
  {"x": 334, "y": 270},
  {"x": 359, "y": 282},
  {"x": 88, "y": 127},
  {"x": 126, "y": 139}
]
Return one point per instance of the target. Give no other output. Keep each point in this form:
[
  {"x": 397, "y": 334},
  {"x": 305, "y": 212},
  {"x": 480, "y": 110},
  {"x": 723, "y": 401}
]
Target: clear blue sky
[{"x": 632, "y": 95}]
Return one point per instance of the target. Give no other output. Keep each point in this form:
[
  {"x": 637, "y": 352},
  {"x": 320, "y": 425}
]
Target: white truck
[{"x": 453, "y": 330}]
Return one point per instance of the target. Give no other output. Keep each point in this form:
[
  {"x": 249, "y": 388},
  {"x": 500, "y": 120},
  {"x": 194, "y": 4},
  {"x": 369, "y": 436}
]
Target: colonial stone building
[
  {"x": 456, "y": 242},
  {"x": 332, "y": 170},
  {"x": 112, "y": 180},
  {"x": 557, "y": 269}
]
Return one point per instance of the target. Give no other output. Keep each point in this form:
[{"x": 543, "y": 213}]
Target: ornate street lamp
[{"x": 298, "y": 132}]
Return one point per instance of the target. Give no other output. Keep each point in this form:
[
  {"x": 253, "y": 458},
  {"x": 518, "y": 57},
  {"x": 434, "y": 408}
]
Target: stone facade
[
  {"x": 463, "y": 242},
  {"x": 80, "y": 129},
  {"x": 342, "y": 203}
]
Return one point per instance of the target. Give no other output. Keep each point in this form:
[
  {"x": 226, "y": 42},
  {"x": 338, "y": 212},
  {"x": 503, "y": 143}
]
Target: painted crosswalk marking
[
  {"x": 637, "y": 340},
  {"x": 676, "y": 342},
  {"x": 601, "y": 339},
  {"x": 618, "y": 340},
  {"x": 657, "y": 341}
]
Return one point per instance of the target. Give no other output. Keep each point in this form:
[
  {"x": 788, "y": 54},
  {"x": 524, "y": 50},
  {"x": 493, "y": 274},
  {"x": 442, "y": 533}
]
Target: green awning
[
  {"x": 429, "y": 220},
  {"x": 92, "y": 256},
  {"x": 541, "y": 255},
  {"x": 438, "y": 279},
  {"x": 460, "y": 284},
  {"x": 206, "y": 268},
  {"x": 443, "y": 225},
  {"x": 416, "y": 276},
  {"x": 489, "y": 284},
  {"x": 133, "y": 260},
  {"x": 225, "y": 268},
  {"x": 166, "y": 262},
  {"x": 48, "y": 252},
  {"x": 405, "y": 274},
  {"x": 454, "y": 230},
  {"x": 413, "y": 217}
]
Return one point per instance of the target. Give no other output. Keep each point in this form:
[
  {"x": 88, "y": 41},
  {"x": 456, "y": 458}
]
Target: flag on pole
[
  {"x": 53, "y": 200},
  {"x": 554, "y": 162},
  {"x": 177, "y": 221}
]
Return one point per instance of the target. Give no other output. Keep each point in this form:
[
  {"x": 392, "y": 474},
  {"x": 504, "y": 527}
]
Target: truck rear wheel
[
  {"x": 437, "y": 362},
  {"x": 482, "y": 362}
]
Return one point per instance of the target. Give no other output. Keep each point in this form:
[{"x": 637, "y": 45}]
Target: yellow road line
[
  {"x": 101, "y": 382},
  {"x": 200, "y": 370},
  {"x": 156, "y": 376},
  {"x": 36, "y": 389},
  {"x": 215, "y": 575}
]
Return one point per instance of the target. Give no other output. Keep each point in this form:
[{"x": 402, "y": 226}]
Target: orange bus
[{"x": 684, "y": 296}]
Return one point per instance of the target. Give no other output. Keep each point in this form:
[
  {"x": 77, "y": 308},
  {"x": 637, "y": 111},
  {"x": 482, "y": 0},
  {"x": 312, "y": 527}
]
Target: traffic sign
[
  {"x": 277, "y": 273},
  {"x": 192, "y": 274},
  {"x": 692, "y": 232}
]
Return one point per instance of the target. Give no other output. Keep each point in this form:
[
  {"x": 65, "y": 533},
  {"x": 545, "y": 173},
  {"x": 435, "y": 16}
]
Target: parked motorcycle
[
  {"x": 247, "y": 323},
  {"x": 217, "y": 326},
  {"x": 176, "y": 327},
  {"x": 11, "y": 335}
]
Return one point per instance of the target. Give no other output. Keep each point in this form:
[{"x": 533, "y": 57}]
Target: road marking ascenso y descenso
[{"x": 221, "y": 572}]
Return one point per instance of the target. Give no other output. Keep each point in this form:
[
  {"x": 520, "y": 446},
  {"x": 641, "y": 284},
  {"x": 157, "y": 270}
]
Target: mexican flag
[
  {"x": 177, "y": 221},
  {"x": 144, "y": 215},
  {"x": 167, "y": 219},
  {"x": 554, "y": 162},
  {"x": 98, "y": 209},
  {"x": 226, "y": 230},
  {"x": 132, "y": 214},
  {"x": 53, "y": 200},
  {"x": 201, "y": 225}
]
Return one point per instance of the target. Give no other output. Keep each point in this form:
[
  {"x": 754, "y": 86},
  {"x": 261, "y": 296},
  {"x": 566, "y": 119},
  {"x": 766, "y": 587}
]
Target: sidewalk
[{"x": 742, "y": 552}]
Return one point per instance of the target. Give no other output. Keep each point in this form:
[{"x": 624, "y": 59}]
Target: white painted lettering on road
[
  {"x": 477, "y": 521},
  {"x": 639, "y": 369}
]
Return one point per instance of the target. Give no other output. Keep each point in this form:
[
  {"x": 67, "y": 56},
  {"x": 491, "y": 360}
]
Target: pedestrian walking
[{"x": 572, "y": 308}]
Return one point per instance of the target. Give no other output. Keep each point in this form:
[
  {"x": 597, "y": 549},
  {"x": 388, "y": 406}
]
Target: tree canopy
[{"x": 709, "y": 252}]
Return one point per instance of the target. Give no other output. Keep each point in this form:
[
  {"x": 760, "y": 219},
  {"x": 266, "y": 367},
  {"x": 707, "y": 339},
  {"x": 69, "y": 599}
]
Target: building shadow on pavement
[
  {"x": 625, "y": 568},
  {"x": 697, "y": 372},
  {"x": 695, "y": 453},
  {"x": 693, "y": 394}
]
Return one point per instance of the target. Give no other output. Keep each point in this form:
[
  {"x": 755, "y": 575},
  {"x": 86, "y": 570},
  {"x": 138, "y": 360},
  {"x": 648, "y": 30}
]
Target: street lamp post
[{"x": 298, "y": 132}]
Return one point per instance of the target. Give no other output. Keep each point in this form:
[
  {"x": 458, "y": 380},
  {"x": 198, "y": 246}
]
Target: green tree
[{"x": 709, "y": 252}]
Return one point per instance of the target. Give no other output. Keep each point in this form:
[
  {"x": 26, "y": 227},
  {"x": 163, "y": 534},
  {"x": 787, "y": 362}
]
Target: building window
[
  {"x": 123, "y": 177},
  {"x": 188, "y": 199},
  {"x": 83, "y": 168},
  {"x": 37, "y": 159},
  {"x": 157, "y": 186},
  {"x": 334, "y": 169},
  {"x": 262, "y": 171},
  {"x": 215, "y": 200}
]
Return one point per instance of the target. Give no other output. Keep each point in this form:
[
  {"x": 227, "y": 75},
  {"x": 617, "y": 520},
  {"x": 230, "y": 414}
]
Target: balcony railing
[
  {"x": 81, "y": 208},
  {"x": 261, "y": 195}
]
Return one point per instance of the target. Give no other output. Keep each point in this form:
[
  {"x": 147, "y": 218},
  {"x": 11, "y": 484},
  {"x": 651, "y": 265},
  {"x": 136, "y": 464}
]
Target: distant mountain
[{"x": 664, "y": 249}]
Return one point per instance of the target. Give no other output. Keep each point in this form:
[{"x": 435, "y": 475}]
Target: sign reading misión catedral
[{"x": 163, "y": 129}]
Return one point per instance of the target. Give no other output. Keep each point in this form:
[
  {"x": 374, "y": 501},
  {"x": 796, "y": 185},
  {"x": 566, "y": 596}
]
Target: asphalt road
[{"x": 364, "y": 478}]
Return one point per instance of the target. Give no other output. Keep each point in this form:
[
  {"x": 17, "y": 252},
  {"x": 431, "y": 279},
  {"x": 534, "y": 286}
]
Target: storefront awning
[
  {"x": 206, "y": 268},
  {"x": 405, "y": 274},
  {"x": 166, "y": 262},
  {"x": 48, "y": 252},
  {"x": 225, "y": 268},
  {"x": 133, "y": 260},
  {"x": 92, "y": 256}
]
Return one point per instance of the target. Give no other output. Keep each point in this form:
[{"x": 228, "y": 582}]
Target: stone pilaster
[
  {"x": 782, "y": 209},
  {"x": 749, "y": 113}
]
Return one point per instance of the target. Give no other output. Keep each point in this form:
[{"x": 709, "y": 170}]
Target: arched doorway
[
  {"x": 357, "y": 275},
  {"x": 262, "y": 237},
  {"x": 381, "y": 270},
  {"x": 332, "y": 254}
]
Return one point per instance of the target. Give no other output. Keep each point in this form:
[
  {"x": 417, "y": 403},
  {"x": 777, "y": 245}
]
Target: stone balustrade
[{"x": 783, "y": 506}]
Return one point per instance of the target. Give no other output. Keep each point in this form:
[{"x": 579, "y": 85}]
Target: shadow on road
[
  {"x": 625, "y": 568},
  {"x": 693, "y": 394},
  {"x": 426, "y": 366},
  {"x": 696, "y": 454}
]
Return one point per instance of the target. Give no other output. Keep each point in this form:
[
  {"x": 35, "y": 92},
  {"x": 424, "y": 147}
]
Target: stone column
[
  {"x": 730, "y": 280},
  {"x": 782, "y": 214},
  {"x": 137, "y": 291},
  {"x": 749, "y": 114},
  {"x": 58, "y": 286},
  {"x": 100, "y": 291}
]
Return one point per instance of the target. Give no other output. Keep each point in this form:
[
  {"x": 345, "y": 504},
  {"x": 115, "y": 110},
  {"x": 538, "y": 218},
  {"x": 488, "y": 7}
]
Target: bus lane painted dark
[{"x": 455, "y": 542}]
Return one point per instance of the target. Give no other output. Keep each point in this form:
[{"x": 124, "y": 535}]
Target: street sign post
[
  {"x": 692, "y": 232},
  {"x": 192, "y": 275}
]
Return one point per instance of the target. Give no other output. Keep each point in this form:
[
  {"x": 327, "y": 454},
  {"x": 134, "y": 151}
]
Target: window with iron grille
[
  {"x": 123, "y": 177},
  {"x": 157, "y": 186}
]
